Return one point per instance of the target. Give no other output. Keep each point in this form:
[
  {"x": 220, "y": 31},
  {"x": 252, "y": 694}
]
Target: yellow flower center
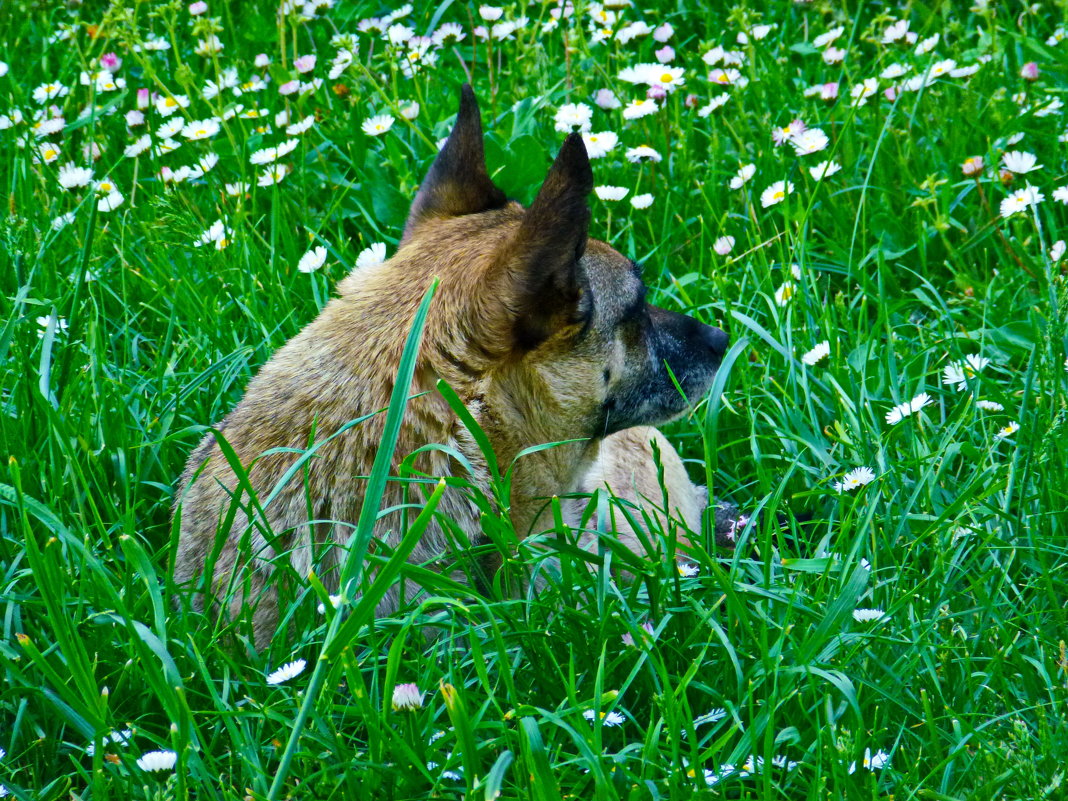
[
  {"x": 667, "y": 78},
  {"x": 106, "y": 187}
]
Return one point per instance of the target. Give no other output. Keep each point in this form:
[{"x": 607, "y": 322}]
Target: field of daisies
[{"x": 871, "y": 198}]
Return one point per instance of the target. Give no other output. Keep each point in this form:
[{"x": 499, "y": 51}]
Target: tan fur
[{"x": 504, "y": 331}]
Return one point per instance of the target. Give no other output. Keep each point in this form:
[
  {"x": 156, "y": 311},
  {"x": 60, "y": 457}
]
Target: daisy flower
[
  {"x": 876, "y": 761},
  {"x": 1020, "y": 162},
  {"x": 868, "y": 615},
  {"x": 288, "y": 671},
  {"x": 273, "y": 175},
  {"x": 855, "y": 478},
  {"x": 642, "y": 153},
  {"x": 723, "y": 245},
  {"x": 716, "y": 102},
  {"x": 298, "y": 128},
  {"x": 109, "y": 197},
  {"x": 776, "y": 193},
  {"x": 606, "y": 718},
  {"x": 599, "y": 144},
  {"x": 1008, "y": 430},
  {"x": 1060, "y": 194},
  {"x": 817, "y": 354},
  {"x": 572, "y": 116},
  {"x": 743, "y": 176},
  {"x": 378, "y": 125},
  {"x": 785, "y": 293},
  {"x": 637, "y": 109},
  {"x": 642, "y": 201},
  {"x": 989, "y": 406},
  {"x": 200, "y": 129},
  {"x": 811, "y": 140},
  {"x": 50, "y": 91},
  {"x": 1021, "y": 200},
  {"x": 903, "y": 410},
  {"x": 157, "y": 761},
  {"x": 958, "y": 373},
  {"x": 1056, "y": 253},
  {"x": 71, "y": 176},
  {"x": 780, "y": 136},
  {"x": 825, "y": 39},
  {"x": 973, "y": 165},
  {"x": 218, "y": 234},
  {"x": 611, "y": 192},
  {"x": 825, "y": 169},
  {"x": 687, "y": 569},
  {"x": 166, "y": 106},
  {"x": 407, "y": 698},
  {"x": 47, "y": 152},
  {"x": 372, "y": 255},
  {"x": 312, "y": 260},
  {"x": 606, "y": 99}
]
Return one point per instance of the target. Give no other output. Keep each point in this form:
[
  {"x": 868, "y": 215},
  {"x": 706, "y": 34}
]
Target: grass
[{"x": 903, "y": 265}]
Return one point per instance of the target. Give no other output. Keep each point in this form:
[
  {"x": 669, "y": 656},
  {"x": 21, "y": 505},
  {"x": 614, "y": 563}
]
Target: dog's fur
[{"x": 543, "y": 333}]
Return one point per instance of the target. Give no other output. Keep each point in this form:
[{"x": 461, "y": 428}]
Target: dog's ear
[
  {"x": 457, "y": 182},
  {"x": 543, "y": 257}
]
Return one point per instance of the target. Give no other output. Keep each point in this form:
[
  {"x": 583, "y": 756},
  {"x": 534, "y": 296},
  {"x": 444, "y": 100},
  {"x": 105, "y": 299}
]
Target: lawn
[{"x": 871, "y": 200}]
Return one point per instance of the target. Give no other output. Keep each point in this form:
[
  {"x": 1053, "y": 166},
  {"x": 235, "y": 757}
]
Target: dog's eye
[{"x": 607, "y": 376}]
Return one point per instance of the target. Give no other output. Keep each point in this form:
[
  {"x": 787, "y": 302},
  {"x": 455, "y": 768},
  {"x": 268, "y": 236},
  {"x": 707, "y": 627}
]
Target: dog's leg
[{"x": 628, "y": 467}]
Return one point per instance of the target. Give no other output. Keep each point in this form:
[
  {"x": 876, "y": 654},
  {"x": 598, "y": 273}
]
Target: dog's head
[{"x": 558, "y": 310}]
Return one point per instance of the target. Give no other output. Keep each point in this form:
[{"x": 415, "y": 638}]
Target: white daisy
[
  {"x": 288, "y": 671},
  {"x": 868, "y": 615},
  {"x": 903, "y": 410},
  {"x": 723, "y": 245},
  {"x": 825, "y": 169},
  {"x": 744, "y": 175},
  {"x": 642, "y": 201},
  {"x": 1008, "y": 431},
  {"x": 607, "y": 718},
  {"x": 157, "y": 761},
  {"x": 312, "y": 260},
  {"x": 611, "y": 192},
  {"x": 1021, "y": 200},
  {"x": 855, "y": 478},
  {"x": 378, "y": 125},
  {"x": 814, "y": 356},
  {"x": 72, "y": 176},
  {"x": 573, "y": 116},
  {"x": 1020, "y": 162},
  {"x": 372, "y": 255},
  {"x": 776, "y": 193}
]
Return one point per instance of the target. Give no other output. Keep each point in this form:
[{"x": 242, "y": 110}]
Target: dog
[{"x": 545, "y": 335}]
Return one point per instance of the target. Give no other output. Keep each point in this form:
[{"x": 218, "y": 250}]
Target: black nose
[{"x": 716, "y": 339}]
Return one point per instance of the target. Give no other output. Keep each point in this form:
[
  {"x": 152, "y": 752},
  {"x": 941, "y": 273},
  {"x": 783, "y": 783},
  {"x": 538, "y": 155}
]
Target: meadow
[{"x": 870, "y": 198}]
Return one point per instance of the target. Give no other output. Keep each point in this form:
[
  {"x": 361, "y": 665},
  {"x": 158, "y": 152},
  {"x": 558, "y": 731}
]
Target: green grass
[{"x": 903, "y": 265}]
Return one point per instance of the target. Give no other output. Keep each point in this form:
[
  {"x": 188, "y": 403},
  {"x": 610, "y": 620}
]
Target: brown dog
[{"x": 543, "y": 333}]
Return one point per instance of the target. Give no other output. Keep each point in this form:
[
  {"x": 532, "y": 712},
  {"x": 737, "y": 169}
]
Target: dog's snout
[{"x": 716, "y": 339}]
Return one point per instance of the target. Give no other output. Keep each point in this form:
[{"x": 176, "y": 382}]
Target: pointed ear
[
  {"x": 457, "y": 182},
  {"x": 544, "y": 255}
]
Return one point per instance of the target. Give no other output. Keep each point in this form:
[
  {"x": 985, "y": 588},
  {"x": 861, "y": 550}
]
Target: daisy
[
  {"x": 712, "y": 716},
  {"x": 744, "y": 175},
  {"x": 1008, "y": 430},
  {"x": 687, "y": 569},
  {"x": 407, "y": 698},
  {"x": 599, "y": 144},
  {"x": 273, "y": 175},
  {"x": 137, "y": 147},
  {"x": 868, "y": 615},
  {"x": 378, "y": 125},
  {"x": 572, "y": 116},
  {"x": 606, "y": 718},
  {"x": 71, "y": 176},
  {"x": 312, "y": 260},
  {"x": 811, "y": 140},
  {"x": 855, "y": 478},
  {"x": 716, "y": 102},
  {"x": 727, "y": 77},
  {"x": 288, "y": 671},
  {"x": 1020, "y": 162},
  {"x": 894, "y": 71},
  {"x": 157, "y": 761},
  {"x": 166, "y": 106},
  {"x": 218, "y": 234},
  {"x": 785, "y": 293},
  {"x": 1021, "y": 200},
  {"x": 47, "y": 152},
  {"x": 642, "y": 201},
  {"x": 448, "y": 34},
  {"x": 817, "y": 354},
  {"x": 928, "y": 44},
  {"x": 1060, "y": 194},
  {"x": 989, "y": 406},
  {"x": 637, "y": 109},
  {"x": 973, "y": 165},
  {"x": 903, "y": 410},
  {"x": 959, "y": 372},
  {"x": 606, "y": 99},
  {"x": 62, "y": 221},
  {"x": 723, "y": 245},
  {"x": 49, "y": 91},
  {"x": 776, "y": 193},
  {"x": 372, "y": 255},
  {"x": 862, "y": 91},
  {"x": 109, "y": 197},
  {"x": 825, "y": 169},
  {"x": 780, "y": 136},
  {"x": 834, "y": 55},
  {"x": 112, "y": 737},
  {"x": 200, "y": 129},
  {"x": 876, "y": 761},
  {"x": 1056, "y": 253},
  {"x": 642, "y": 153},
  {"x": 611, "y": 192},
  {"x": 825, "y": 39}
]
